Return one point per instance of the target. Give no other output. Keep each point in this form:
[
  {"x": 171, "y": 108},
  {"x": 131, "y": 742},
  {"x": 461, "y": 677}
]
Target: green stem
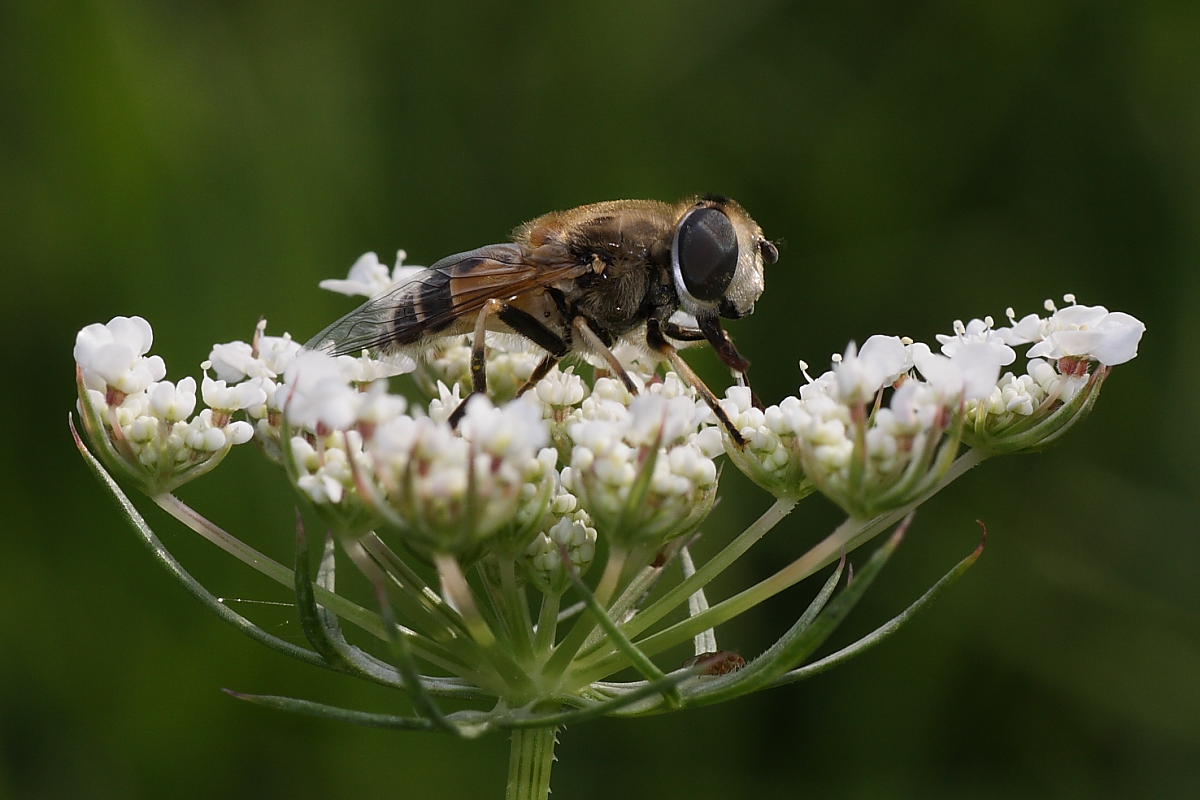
[
  {"x": 633, "y": 594},
  {"x": 531, "y": 757},
  {"x": 569, "y": 647},
  {"x": 547, "y": 623},
  {"x": 641, "y": 662},
  {"x": 516, "y": 608},
  {"x": 847, "y": 536},
  {"x": 392, "y": 563},
  {"x": 710, "y": 569},
  {"x": 353, "y": 613},
  {"x": 277, "y": 572}
]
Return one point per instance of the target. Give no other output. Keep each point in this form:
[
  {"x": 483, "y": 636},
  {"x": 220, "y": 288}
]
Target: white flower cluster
[
  {"x": 142, "y": 424},
  {"x": 357, "y": 452},
  {"x": 1072, "y": 352},
  {"x": 540, "y": 475},
  {"x": 1091, "y": 333},
  {"x": 571, "y": 534},
  {"x": 839, "y": 436},
  {"x": 643, "y": 467},
  {"x": 509, "y": 361}
]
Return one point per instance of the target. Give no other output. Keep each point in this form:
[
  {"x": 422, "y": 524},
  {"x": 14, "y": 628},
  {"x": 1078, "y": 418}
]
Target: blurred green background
[{"x": 202, "y": 164}]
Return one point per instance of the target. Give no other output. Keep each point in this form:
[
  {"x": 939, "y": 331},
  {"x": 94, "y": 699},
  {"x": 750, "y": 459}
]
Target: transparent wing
[{"x": 454, "y": 287}]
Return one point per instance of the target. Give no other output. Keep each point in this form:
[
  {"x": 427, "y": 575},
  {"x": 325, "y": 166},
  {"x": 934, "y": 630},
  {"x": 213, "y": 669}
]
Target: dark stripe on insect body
[{"x": 425, "y": 309}]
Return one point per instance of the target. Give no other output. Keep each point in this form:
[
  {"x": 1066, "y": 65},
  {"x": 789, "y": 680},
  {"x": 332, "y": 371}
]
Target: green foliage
[{"x": 208, "y": 163}]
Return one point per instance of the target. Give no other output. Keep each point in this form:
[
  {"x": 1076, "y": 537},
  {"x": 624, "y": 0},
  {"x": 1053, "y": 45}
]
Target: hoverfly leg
[
  {"x": 457, "y": 415},
  {"x": 479, "y": 344},
  {"x": 544, "y": 366},
  {"x": 660, "y": 345},
  {"x": 598, "y": 346},
  {"x": 520, "y": 322},
  {"x": 478, "y": 359},
  {"x": 723, "y": 344},
  {"x": 534, "y": 330},
  {"x": 681, "y": 333}
]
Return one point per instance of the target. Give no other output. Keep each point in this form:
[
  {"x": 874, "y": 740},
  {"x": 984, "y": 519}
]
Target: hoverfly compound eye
[{"x": 705, "y": 254}]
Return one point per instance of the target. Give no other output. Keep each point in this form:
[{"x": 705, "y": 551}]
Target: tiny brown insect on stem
[{"x": 721, "y": 662}]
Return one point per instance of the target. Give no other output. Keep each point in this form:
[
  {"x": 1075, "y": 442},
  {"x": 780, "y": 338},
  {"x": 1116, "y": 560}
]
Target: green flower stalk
[{"x": 524, "y": 560}]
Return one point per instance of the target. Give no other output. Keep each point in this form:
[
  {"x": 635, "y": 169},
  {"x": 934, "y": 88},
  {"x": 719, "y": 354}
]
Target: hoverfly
[{"x": 578, "y": 281}]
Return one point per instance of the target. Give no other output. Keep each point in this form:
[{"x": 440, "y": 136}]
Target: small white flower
[
  {"x": 172, "y": 402},
  {"x": 980, "y": 339},
  {"x": 571, "y": 534},
  {"x": 132, "y": 332},
  {"x": 1019, "y": 395},
  {"x": 276, "y": 352},
  {"x": 365, "y": 369},
  {"x": 234, "y": 361},
  {"x": 239, "y": 432},
  {"x": 267, "y": 357},
  {"x": 657, "y": 420},
  {"x": 445, "y": 404},
  {"x": 561, "y": 388},
  {"x": 113, "y": 355},
  {"x": 1053, "y": 383},
  {"x": 1091, "y": 332},
  {"x": 376, "y": 405},
  {"x": 611, "y": 454},
  {"x": 203, "y": 436},
  {"x": 514, "y": 430},
  {"x": 223, "y": 397},
  {"x": 368, "y": 277},
  {"x": 861, "y": 373},
  {"x": 316, "y": 392}
]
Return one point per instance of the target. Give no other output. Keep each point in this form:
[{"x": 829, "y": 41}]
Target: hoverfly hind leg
[
  {"x": 522, "y": 323},
  {"x": 478, "y": 359}
]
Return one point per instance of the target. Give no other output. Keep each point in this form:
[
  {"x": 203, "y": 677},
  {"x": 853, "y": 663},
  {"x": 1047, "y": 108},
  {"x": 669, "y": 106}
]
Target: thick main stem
[{"x": 531, "y": 757}]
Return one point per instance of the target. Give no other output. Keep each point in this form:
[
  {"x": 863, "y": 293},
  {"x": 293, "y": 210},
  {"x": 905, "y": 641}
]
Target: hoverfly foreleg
[
  {"x": 659, "y": 344},
  {"x": 722, "y": 343},
  {"x": 681, "y": 333},
  {"x": 726, "y": 351},
  {"x": 598, "y": 346}
]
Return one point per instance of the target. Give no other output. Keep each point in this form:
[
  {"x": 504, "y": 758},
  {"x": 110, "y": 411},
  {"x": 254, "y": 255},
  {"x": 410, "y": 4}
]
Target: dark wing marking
[{"x": 454, "y": 287}]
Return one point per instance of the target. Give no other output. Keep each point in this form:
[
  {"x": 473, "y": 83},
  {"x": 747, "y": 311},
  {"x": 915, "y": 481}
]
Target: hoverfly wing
[{"x": 431, "y": 301}]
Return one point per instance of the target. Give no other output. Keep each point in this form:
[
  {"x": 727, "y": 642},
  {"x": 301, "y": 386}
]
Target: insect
[
  {"x": 578, "y": 281},
  {"x": 721, "y": 662}
]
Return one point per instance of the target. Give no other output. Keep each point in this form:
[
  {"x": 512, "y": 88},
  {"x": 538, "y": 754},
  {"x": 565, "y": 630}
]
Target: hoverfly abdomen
[{"x": 427, "y": 309}]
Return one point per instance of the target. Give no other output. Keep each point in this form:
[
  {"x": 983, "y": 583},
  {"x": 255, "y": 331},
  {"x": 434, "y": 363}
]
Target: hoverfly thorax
[{"x": 717, "y": 257}]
